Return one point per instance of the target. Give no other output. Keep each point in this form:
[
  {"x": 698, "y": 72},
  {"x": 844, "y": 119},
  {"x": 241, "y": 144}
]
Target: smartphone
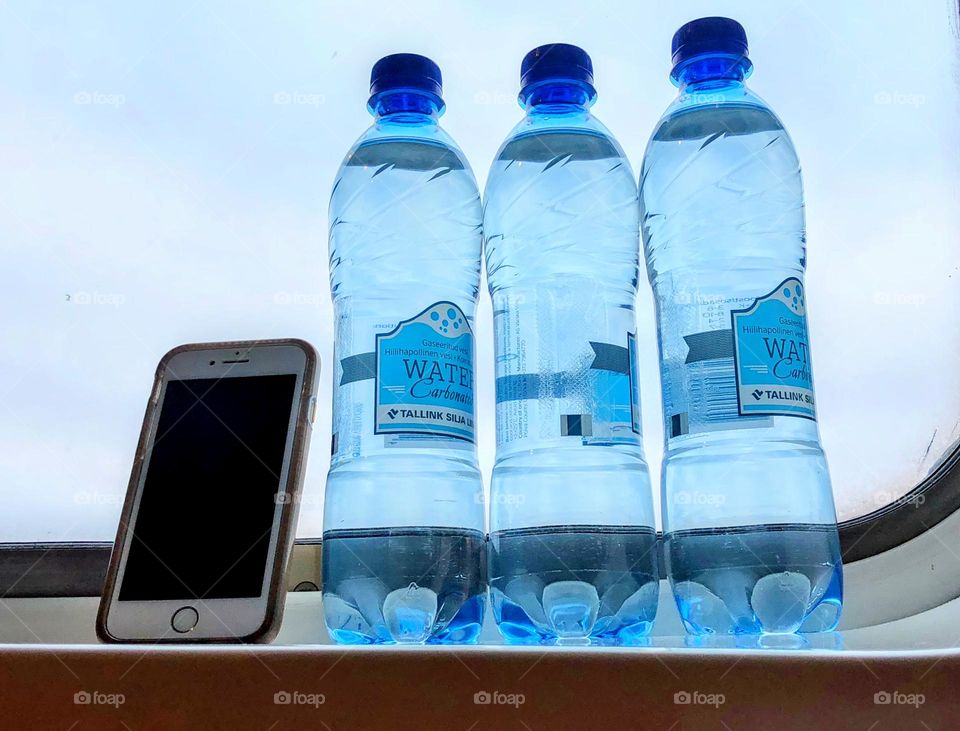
[{"x": 211, "y": 509}]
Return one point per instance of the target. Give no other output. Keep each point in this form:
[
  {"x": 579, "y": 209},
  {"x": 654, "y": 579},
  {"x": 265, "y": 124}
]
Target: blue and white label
[
  {"x": 772, "y": 354},
  {"x": 424, "y": 375}
]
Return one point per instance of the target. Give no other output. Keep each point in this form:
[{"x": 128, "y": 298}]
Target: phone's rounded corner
[
  {"x": 311, "y": 364},
  {"x": 103, "y": 631},
  {"x": 268, "y": 630},
  {"x": 307, "y": 347},
  {"x": 168, "y": 357}
]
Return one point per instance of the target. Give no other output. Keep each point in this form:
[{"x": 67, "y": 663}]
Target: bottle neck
[
  {"x": 557, "y": 97},
  {"x": 711, "y": 72},
  {"x": 405, "y": 107}
]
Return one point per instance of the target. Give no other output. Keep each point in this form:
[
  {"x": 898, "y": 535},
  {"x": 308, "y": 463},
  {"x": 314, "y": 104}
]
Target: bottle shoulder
[
  {"x": 581, "y": 120},
  {"x": 706, "y": 95},
  {"x": 384, "y": 140},
  {"x": 541, "y": 139},
  {"x": 695, "y": 120},
  {"x": 705, "y": 111},
  {"x": 582, "y": 123}
]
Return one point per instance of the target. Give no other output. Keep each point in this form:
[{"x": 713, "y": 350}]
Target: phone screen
[{"x": 206, "y": 512}]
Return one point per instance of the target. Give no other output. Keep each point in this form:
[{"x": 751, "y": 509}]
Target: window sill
[
  {"x": 832, "y": 681},
  {"x": 414, "y": 687}
]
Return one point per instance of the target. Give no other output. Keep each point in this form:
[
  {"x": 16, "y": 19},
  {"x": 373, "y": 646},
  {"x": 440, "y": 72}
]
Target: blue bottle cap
[
  {"x": 709, "y": 36},
  {"x": 556, "y": 62},
  {"x": 406, "y": 71}
]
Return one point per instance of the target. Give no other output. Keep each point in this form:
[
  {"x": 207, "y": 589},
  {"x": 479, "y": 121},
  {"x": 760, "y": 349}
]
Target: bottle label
[
  {"x": 551, "y": 385},
  {"x": 772, "y": 355},
  {"x": 634, "y": 374},
  {"x": 732, "y": 361},
  {"x": 424, "y": 375}
]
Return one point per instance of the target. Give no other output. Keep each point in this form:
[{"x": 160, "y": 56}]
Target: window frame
[
  {"x": 936, "y": 498},
  {"x": 881, "y": 551},
  {"x": 66, "y": 570}
]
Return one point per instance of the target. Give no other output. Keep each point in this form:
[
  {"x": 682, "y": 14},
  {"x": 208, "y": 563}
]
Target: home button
[{"x": 184, "y": 619}]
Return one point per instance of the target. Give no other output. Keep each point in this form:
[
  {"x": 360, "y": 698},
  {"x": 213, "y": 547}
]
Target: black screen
[{"x": 205, "y": 517}]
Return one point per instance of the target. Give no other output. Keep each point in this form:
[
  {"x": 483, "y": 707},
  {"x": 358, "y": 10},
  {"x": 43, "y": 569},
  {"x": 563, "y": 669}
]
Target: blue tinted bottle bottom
[
  {"x": 773, "y": 579},
  {"x": 403, "y": 585},
  {"x": 574, "y": 584}
]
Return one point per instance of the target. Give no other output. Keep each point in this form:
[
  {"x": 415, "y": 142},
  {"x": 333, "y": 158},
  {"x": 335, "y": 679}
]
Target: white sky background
[{"x": 149, "y": 165}]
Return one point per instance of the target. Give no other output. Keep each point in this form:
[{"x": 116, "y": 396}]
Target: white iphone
[{"x": 211, "y": 507}]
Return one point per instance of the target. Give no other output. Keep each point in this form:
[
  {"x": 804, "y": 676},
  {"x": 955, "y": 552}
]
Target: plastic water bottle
[
  {"x": 572, "y": 545},
  {"x": 751, "y": 542},
  {"x": 403, "y": 522}
]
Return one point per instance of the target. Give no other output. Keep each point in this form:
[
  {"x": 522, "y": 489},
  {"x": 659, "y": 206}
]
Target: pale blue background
[{"x": 165, "y": 168}]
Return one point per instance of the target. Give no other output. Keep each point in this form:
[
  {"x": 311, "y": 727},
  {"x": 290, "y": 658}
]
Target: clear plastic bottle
[
  {"x": 403, "y": 518},
  {"x": 572, "y": 543},
  {"x": 751, "y": 543}
]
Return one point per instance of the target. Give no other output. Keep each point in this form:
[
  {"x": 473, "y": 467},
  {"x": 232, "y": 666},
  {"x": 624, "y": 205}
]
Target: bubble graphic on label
[
  {"x": 445, "y": 319},
  {"x": 786, "y": 291}
]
